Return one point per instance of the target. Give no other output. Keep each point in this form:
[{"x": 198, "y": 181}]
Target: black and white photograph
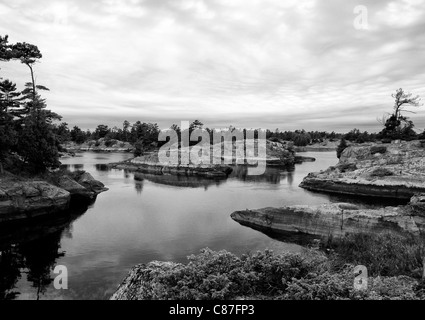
[{"x": 216, "y": 155}]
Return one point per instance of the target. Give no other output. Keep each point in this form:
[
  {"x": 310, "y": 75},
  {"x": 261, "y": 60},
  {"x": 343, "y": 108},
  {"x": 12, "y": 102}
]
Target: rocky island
[
  {"x": 279, "y": 153},
  {"x": 100, "y": 145},
  {"x": 337, "y": 219},
  {"x": 395, "y": 170},
  {"x": 22, "y": 198}
]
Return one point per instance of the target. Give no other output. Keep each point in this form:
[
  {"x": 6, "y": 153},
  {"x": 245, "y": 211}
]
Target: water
[{"x": 143, "y": 218}]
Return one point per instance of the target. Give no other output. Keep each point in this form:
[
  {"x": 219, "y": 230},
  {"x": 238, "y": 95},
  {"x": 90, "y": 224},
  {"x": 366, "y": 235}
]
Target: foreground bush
[
  {"x": 263, "y": 275},
  {"x": 384, "y": 254}
]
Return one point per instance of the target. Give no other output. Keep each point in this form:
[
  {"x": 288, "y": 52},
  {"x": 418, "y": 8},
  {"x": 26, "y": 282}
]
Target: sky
[{"x": 287, "y": 64}]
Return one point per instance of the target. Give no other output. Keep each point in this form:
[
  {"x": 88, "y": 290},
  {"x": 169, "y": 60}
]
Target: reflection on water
[
  {"x": 271, "y": 176},
  {"x": 178, "y": 181},
  {"x": 143, "y": 218},
  {"x": 32, "y": 250}
]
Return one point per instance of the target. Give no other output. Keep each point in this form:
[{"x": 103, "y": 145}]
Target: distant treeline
[{"x": 147, "y": 134}]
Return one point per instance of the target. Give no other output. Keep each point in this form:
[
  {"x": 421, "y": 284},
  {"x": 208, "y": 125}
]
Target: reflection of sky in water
[{"x": 166, "y": 218}]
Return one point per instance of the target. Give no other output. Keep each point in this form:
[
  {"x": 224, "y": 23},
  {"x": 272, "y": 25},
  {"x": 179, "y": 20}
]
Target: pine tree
[{"x": 342, "y": 146}]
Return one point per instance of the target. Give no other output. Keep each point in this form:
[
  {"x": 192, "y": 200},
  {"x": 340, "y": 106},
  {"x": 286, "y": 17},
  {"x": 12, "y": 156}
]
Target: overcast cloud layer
[{"x": 250, "y": 63}]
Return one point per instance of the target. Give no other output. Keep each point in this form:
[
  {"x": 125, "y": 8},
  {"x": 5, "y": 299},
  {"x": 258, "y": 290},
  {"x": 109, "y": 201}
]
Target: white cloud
[{"x": 287, "y": 64}]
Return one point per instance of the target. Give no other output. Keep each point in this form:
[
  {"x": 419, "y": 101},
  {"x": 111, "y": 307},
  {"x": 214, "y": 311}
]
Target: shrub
[
  {"x": 347, "y": 167},
  {"x": 222, "y": 275},
  {"x": 342, "y": 146},
  {"x": 138, "y": 149},
  {"x": 378, "y": 149},
  {"x": 311, "y": 275},
  {"x": 324, "y": 286},
  {"x": 384, "y": 254},
  {"x": 392, "y": 288},
  {"x": 381, "y": 172},
  {"x": 110, "y": 142}
]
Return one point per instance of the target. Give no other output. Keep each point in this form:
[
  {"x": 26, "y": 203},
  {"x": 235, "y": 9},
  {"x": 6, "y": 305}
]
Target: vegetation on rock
[{"x": 311, "y": 275}]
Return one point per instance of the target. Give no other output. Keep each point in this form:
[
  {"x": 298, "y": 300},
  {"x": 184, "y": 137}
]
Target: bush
[
  {"x": 392, "y": 288},
  {"x": 378, "y": 149},
  {"x": 381, "y": 172},
  {"x": 222, "y": 275},
  {"x": 384, "y": 254},
  {"x": 308, "y": 276},
  {"x": 324, "y": 286},
  {"x": 347, "y": 167},
  {"x": 138, "y": 149},
  {"x": 342, "y": 146},
  {"x": 110, "y": 142}
]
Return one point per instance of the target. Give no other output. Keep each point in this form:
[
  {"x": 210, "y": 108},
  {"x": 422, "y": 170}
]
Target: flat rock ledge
[
  {"x": 374, "y": 170},
  {"x": 21, "y": 199},
  {"x": 336, "y": 219},
  {"x": 149, "y": 164},
  {"x": 139, "y": 283},
  {"x": 81, "y": 185}
]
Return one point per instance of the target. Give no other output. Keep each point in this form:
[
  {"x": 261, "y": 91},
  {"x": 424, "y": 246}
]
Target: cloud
[{"x": 286, "y": 64}]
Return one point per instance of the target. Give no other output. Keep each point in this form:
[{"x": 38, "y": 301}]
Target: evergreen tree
[{"x": 342, "y": 146}]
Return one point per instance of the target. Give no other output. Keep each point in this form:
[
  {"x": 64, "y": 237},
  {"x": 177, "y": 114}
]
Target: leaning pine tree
[
  {"x": 396, "y": 125},
  {"x": 25, "y": 113}
]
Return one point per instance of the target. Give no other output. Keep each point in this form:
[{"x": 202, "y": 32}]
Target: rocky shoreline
[
  {"x": 337, "y": 219},
  {"x": 23, "y": 199},
  {"x": 101, "y": 145},
  {"x": 395, "y": 171},
  {"x": 278, "y": 154},
  {"x": 375, "y": 170},
  {"x": 203, "y": 171}
]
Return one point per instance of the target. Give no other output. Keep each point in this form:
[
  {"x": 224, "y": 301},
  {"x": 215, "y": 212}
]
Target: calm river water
[{"x": 143, "y": 218}]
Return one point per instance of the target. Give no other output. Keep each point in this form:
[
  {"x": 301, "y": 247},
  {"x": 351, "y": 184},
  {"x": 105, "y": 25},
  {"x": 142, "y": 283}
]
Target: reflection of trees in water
[
  {"x": 36, "y": 259},
  {"x": 40, "y": 259},
  {"x": 11, "y": 263},
  {"x": 102, "y": 167},
  {"x": 271, "y": 176},
  {"x": 33, "y": 250},
  {"x": 177, "y": 180},
  {"x": 72, "y": 167},
  {"x": 78, "y": 166},
  {"x": 139, "y": 186}
]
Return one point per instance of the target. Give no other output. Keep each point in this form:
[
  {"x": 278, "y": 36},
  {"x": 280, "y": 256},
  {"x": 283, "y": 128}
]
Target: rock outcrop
[
  {"x": 81, "y": 185},
  {"x": 23, "y": 199},
  {"x": 277, "y": 153},
  {"x": 325, "y": 146},
  {"x": 101, "y": 145},
  {"x": 333, "y": 219},
  {"x": 150, "y": 164},
  {"x": 138, "y": 283},
  {"x": 282, "y": 153},
  {"x": 376, "y": 170}
]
